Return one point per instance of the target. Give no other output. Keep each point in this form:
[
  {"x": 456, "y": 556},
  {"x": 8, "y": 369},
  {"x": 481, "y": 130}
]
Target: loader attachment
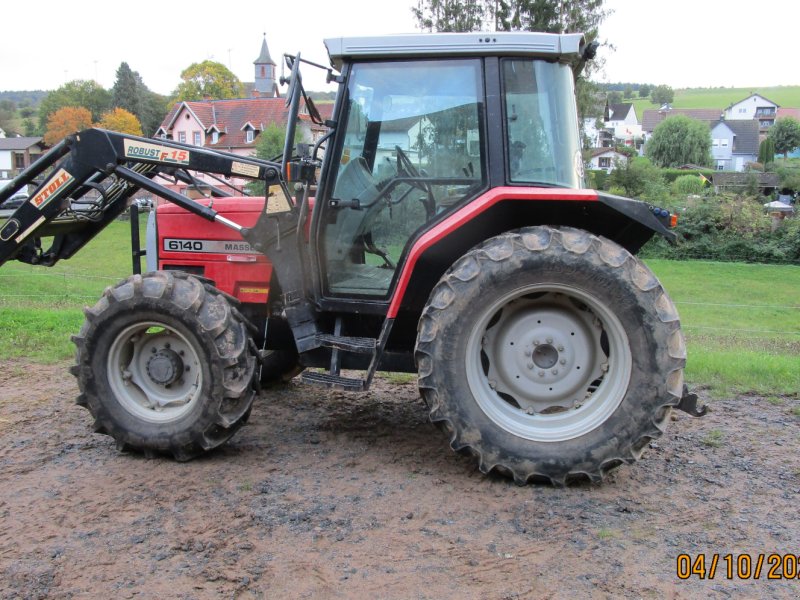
[{"x": 87, "y": 180}]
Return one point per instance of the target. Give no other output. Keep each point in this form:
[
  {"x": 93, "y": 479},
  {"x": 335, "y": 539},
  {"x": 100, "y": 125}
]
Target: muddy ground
[{"x": 328, "y": 494}]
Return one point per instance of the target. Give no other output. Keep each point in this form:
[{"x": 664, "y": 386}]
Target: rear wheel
[
  {"x": 550, "y": 353},
  {"x": 164, "y": 365}
]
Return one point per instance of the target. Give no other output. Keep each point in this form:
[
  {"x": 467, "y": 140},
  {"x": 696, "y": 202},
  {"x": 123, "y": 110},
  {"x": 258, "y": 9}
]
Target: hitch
[{"x": 688, "y": 404}]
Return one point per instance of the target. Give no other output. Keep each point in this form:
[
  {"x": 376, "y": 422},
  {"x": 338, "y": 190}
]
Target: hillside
[{"x": 785, "y": 96}]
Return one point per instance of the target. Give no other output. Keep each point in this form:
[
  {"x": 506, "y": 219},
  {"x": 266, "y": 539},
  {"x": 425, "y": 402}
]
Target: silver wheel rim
[
  {"x": 548, "y": 362},
  {"x": 154, "y": 372}
]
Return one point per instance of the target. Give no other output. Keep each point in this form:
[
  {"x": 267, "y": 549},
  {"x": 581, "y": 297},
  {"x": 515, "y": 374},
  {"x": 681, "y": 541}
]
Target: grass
[
  {"x": 41, "y": 307},
  {"x": 742, "y": 324},
  {"x": 721, "y": 98},
  {"x": 742, "y": 321}
]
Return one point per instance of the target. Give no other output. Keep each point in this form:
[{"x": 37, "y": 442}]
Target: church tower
[{"x": 265, "y": 84}]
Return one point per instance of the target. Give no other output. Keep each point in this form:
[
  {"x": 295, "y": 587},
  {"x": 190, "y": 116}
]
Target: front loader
[{"x": 450, "y": 235}]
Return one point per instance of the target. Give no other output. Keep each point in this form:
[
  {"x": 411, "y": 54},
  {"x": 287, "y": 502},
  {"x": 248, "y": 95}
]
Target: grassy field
[
  {"x": 721, "y": 98},
  {"x": 742, "y": 322}
]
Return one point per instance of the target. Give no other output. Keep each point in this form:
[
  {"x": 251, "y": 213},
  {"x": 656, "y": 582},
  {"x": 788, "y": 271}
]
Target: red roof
[
  {"x": 230, "y": 116},
  {"x": 789, "y": 112}
]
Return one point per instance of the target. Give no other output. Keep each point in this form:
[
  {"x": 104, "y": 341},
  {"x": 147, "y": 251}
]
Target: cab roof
[{"x": 479, "y": 43}]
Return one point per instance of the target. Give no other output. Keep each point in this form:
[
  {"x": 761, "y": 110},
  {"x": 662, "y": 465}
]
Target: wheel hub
[
  {"x": 164, "y": 367},
  {"x": 543, "y": 353}
]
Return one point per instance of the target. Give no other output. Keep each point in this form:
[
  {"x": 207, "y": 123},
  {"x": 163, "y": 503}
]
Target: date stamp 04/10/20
[{"x": 738, "y": 566}]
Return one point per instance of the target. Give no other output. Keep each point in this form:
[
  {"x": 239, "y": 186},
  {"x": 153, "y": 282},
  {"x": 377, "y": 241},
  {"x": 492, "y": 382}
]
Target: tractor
[{"x": 440, "y": 227}]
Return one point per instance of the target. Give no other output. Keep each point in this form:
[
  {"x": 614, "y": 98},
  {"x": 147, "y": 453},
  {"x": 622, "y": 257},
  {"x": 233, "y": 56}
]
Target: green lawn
[
  {"x": 721, "y": 98},
  {"x": 742, "y": 322}
]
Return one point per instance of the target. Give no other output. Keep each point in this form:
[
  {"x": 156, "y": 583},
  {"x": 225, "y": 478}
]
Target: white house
[
  {"x": 605, "y": 159},
  {"x": 622, "y": 119},
  {"x": 754, "y": 107}
]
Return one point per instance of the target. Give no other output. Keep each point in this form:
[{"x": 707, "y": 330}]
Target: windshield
[{"x": 542, "y": 126}]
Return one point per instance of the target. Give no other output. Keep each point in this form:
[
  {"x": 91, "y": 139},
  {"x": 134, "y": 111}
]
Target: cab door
[{"x": 409, "y": 149}]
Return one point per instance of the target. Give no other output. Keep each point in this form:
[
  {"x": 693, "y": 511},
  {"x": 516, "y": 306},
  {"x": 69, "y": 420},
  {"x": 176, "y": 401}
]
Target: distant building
[
  {"x": 18, "y": 153},
  {"x": 605, "y": 159},
  {"x": 754, "y": 107},
  {"x": 734, "y": 144}
]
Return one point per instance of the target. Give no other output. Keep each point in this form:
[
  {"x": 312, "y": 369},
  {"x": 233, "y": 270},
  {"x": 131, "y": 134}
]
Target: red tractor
[{"x": 450, "y": 236}]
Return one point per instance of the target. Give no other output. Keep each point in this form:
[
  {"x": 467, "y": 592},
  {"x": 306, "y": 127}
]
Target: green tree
[
  {"x": 785, "y": 134},
  {"x": 662, "y": 94},
  {"x": 8, "y": 111},
  {"x": 614, "y": 97},
  {"x": 644, "y": 90},
  {"x": 680, "y": 140},
  {"x": 551, "y": 16},
  {"x": 208, "y": 79},
  {"x": 628, "y": 92},
  {"x": 766, "y": 151},
  {"x": 130, "y": 93},
  {"x": 88, "y": 94},
  {"x": 450, "y": 15},
  {"x": 269, "y": 146},
  {"x": 635, "y": 175}
]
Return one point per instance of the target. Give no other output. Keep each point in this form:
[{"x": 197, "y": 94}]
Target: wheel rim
[
  {"x": 154, "y": 371},
  {"x": 548, "y": 362}
]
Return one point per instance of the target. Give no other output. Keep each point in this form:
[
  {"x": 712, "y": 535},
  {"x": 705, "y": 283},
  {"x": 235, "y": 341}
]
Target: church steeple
[{"x": 265, "y": 84}]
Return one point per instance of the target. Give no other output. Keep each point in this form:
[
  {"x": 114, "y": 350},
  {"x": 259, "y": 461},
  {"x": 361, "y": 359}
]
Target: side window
[
  {"x": 541, "y": 123},
  {"x": 412, "y": 149}
]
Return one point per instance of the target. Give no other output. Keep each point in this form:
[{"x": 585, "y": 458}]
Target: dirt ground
[{"x": 328, "y": 494}]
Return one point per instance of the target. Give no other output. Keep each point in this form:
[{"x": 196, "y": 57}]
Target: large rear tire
[
  {"x": 550, "y": 354},
  {"x": 164, "y": 365}
]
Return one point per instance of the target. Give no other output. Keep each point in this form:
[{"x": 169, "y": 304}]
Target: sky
[{"x": 681, "y": 43}]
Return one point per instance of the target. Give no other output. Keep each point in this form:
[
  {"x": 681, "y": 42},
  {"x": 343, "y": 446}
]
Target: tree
[
  {"x": 88, "y": 94},
  {"x": 130, "y": 92},
  {"x": 614, "y": 97},
  {"x": 628, "y": 92},
  {"x": 450, "y": 15},
  {"x": 644, "y": 90},
  {"x": 208, "y": 79},
  {"x": 766, "y": 151},
  {"x": 634, "y": 175},
  {"x": 785, "y": 134},
  {"x": 269, "y": 146},
  {"x": 662, "y": 94},
  {"x": 552, "y": 16},
  {"x": 64, "y": 121},
  {"x": 119, "y": 119},
  {"x": 8, "y": 111},
  {"x": 680, "y": 140}
]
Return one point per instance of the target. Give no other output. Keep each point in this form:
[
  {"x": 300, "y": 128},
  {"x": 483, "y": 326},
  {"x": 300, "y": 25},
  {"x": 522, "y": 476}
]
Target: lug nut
[
  {"x": 541, "y": 373},
  {"x": 555, "y": 371},
  {"x": 563, "y": 361},
  {"x": 549, "y": 340},
  {"x": 528, "y": 352},
  {"x": 561, "y": 348},
  {"x": 531, "y": 366},
  {"x": 535, "y": 342}
]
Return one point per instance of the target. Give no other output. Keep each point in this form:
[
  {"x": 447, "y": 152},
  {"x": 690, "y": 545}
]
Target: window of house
[
  {"x": 19, "y": 161},
  {"x": 605, "y": 162},
  {"x": 214, "y": 137},
  {"x": 249, "y": 135},
  {"x": 723, "y": 142},
  {"x": 715, "y": 143},
  {"x": 182, "y": 137},
  {"x": 196, "y": 138}
]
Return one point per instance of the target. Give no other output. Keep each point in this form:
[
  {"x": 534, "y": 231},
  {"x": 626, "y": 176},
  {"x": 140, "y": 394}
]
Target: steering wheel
[{"x": 404, "y": 165}]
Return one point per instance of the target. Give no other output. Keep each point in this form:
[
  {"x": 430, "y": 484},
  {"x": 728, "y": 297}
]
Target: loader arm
[{"x": 87, "y": 180}]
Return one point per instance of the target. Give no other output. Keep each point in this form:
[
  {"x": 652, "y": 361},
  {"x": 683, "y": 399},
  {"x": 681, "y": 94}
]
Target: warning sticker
[
  {"x": 143, "y": 150},
  {"x": 49, "y": 189},
  {"x": 244, "y": 169}
]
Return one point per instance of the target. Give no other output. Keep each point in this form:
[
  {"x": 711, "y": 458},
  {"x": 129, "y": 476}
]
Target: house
[
  {"x": 734, "y": 144},
  {"x": 767, "y": 183},
  {"x": 622, "y": 120},
  {"x": 605, "y": 159},
  {"x": 235, "y": 125},
  {"x": 755, "y": 106},
  {"x": 18, "y": 153},
  {"x": 652, "y": 118}
]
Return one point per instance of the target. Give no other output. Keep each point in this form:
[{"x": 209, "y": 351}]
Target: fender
[{"x": 647, "y": 221}]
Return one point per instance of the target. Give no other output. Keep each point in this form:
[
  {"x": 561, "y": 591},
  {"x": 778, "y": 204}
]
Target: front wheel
[
  {"x": 164, "y": 365},
  {"x": 551, "y": 354}
]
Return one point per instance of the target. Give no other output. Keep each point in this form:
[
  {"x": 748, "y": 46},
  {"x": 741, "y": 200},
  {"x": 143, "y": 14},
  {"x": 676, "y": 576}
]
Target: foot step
[
  {"x": 334, "y": 381},
  {"x": 360, "y": 345}
]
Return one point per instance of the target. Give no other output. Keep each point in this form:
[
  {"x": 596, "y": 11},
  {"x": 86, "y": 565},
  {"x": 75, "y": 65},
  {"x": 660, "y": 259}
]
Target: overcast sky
[{"x": 683, "y": 43}]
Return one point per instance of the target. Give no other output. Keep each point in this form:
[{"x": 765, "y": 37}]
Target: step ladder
[{"x": 346, "y": 344}]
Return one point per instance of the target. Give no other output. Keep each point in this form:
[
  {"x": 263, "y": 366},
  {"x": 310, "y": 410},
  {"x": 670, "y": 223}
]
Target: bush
[
  {"x": 672, "y": 174},
  {"x": 688, "y": 184},
  {"x": 729, "y": 229}
]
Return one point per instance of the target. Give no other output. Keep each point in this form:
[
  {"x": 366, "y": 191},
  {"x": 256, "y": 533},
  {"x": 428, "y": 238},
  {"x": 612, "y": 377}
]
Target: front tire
[
  {"x": 164, "y": 365},
  {"x": 550, "y": 354}
]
